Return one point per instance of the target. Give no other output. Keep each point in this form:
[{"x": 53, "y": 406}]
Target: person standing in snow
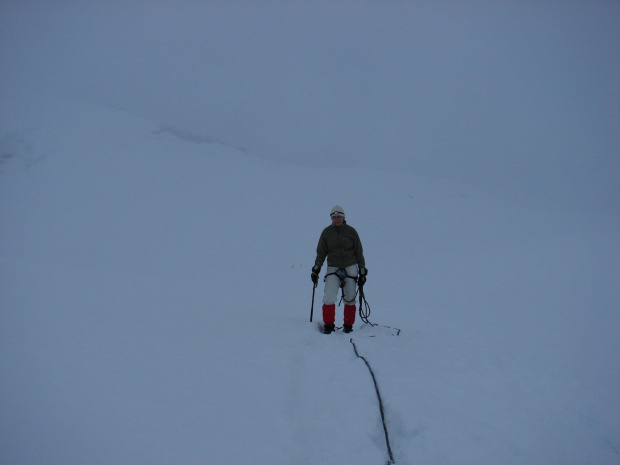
[{"x": 341, "y": 245}]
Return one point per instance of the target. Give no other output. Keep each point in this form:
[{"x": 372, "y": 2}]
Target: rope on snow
[
  {"x": 374, "y": 380},
  {"x": 364, "y": 313}
]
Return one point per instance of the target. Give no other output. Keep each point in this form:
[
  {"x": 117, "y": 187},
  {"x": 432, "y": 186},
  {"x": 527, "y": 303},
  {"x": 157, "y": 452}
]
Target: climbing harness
[
  {"x": 364, "y": 306},
  {"x": 341, "y": 273}
]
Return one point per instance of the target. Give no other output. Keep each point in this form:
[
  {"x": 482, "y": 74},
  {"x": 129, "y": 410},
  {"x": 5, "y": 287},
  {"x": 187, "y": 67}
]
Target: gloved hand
[
  {"x": 315, "y": 274},
  {"x": 362, "y": 276}
]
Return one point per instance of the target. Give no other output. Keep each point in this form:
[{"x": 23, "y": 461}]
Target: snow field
[{"x": 156, "y": 294}]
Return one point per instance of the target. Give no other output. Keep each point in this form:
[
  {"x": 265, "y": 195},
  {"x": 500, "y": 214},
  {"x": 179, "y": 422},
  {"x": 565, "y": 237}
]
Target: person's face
[{"x": 337, "y": 220}]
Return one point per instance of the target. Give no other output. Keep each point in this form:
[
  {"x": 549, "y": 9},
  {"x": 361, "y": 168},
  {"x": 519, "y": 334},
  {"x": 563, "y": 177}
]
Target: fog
[
  {"x": 521, "y": 99},
  {"x": 166, "y": 169}
]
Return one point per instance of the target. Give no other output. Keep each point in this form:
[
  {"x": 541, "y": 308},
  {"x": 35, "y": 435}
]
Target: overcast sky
[{"x": 518, "y": 94}]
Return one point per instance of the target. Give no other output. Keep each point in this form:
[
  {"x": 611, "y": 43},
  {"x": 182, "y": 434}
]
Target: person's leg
[
  {"x": 350, "y": 289},
  {"x": 332, "y": 284}
]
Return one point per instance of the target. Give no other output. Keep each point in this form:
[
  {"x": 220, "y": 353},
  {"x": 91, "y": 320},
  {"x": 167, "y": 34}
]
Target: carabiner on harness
[{"x": 342, "y": 275}]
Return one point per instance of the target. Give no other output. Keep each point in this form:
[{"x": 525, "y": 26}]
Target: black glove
[
  {"x": 362, "y": 276},
  {"x": 315, "y": 274}
]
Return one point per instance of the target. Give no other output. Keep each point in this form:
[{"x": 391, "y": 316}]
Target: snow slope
[{"x": 155, "y": 297}]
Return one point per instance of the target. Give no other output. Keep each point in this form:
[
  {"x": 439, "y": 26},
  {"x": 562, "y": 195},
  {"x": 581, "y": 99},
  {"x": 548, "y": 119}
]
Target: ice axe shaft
[{"x": 312, "y": 306}]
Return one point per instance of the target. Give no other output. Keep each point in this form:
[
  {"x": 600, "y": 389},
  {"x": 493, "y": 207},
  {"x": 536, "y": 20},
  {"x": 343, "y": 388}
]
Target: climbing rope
[
  {"x": 374, "y": 380},
  {"x": 364, "y": 307},
  {"x": 364, "y": 313}
]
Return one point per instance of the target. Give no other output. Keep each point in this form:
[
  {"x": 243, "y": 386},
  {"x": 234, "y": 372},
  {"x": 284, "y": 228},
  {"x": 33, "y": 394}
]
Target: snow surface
[{"x": 155, "y": 295}]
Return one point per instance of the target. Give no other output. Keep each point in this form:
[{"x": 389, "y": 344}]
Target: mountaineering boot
[
  {"x": 349, "y": 317},
  {"x": 329, "y": 317},
  {"x": 328, "y": 329}
]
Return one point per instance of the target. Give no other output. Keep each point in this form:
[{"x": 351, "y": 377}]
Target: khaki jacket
[{"x": 342, "y": 247}]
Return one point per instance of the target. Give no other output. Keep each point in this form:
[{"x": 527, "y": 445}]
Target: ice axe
[{"x": 312, "y": 306}]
